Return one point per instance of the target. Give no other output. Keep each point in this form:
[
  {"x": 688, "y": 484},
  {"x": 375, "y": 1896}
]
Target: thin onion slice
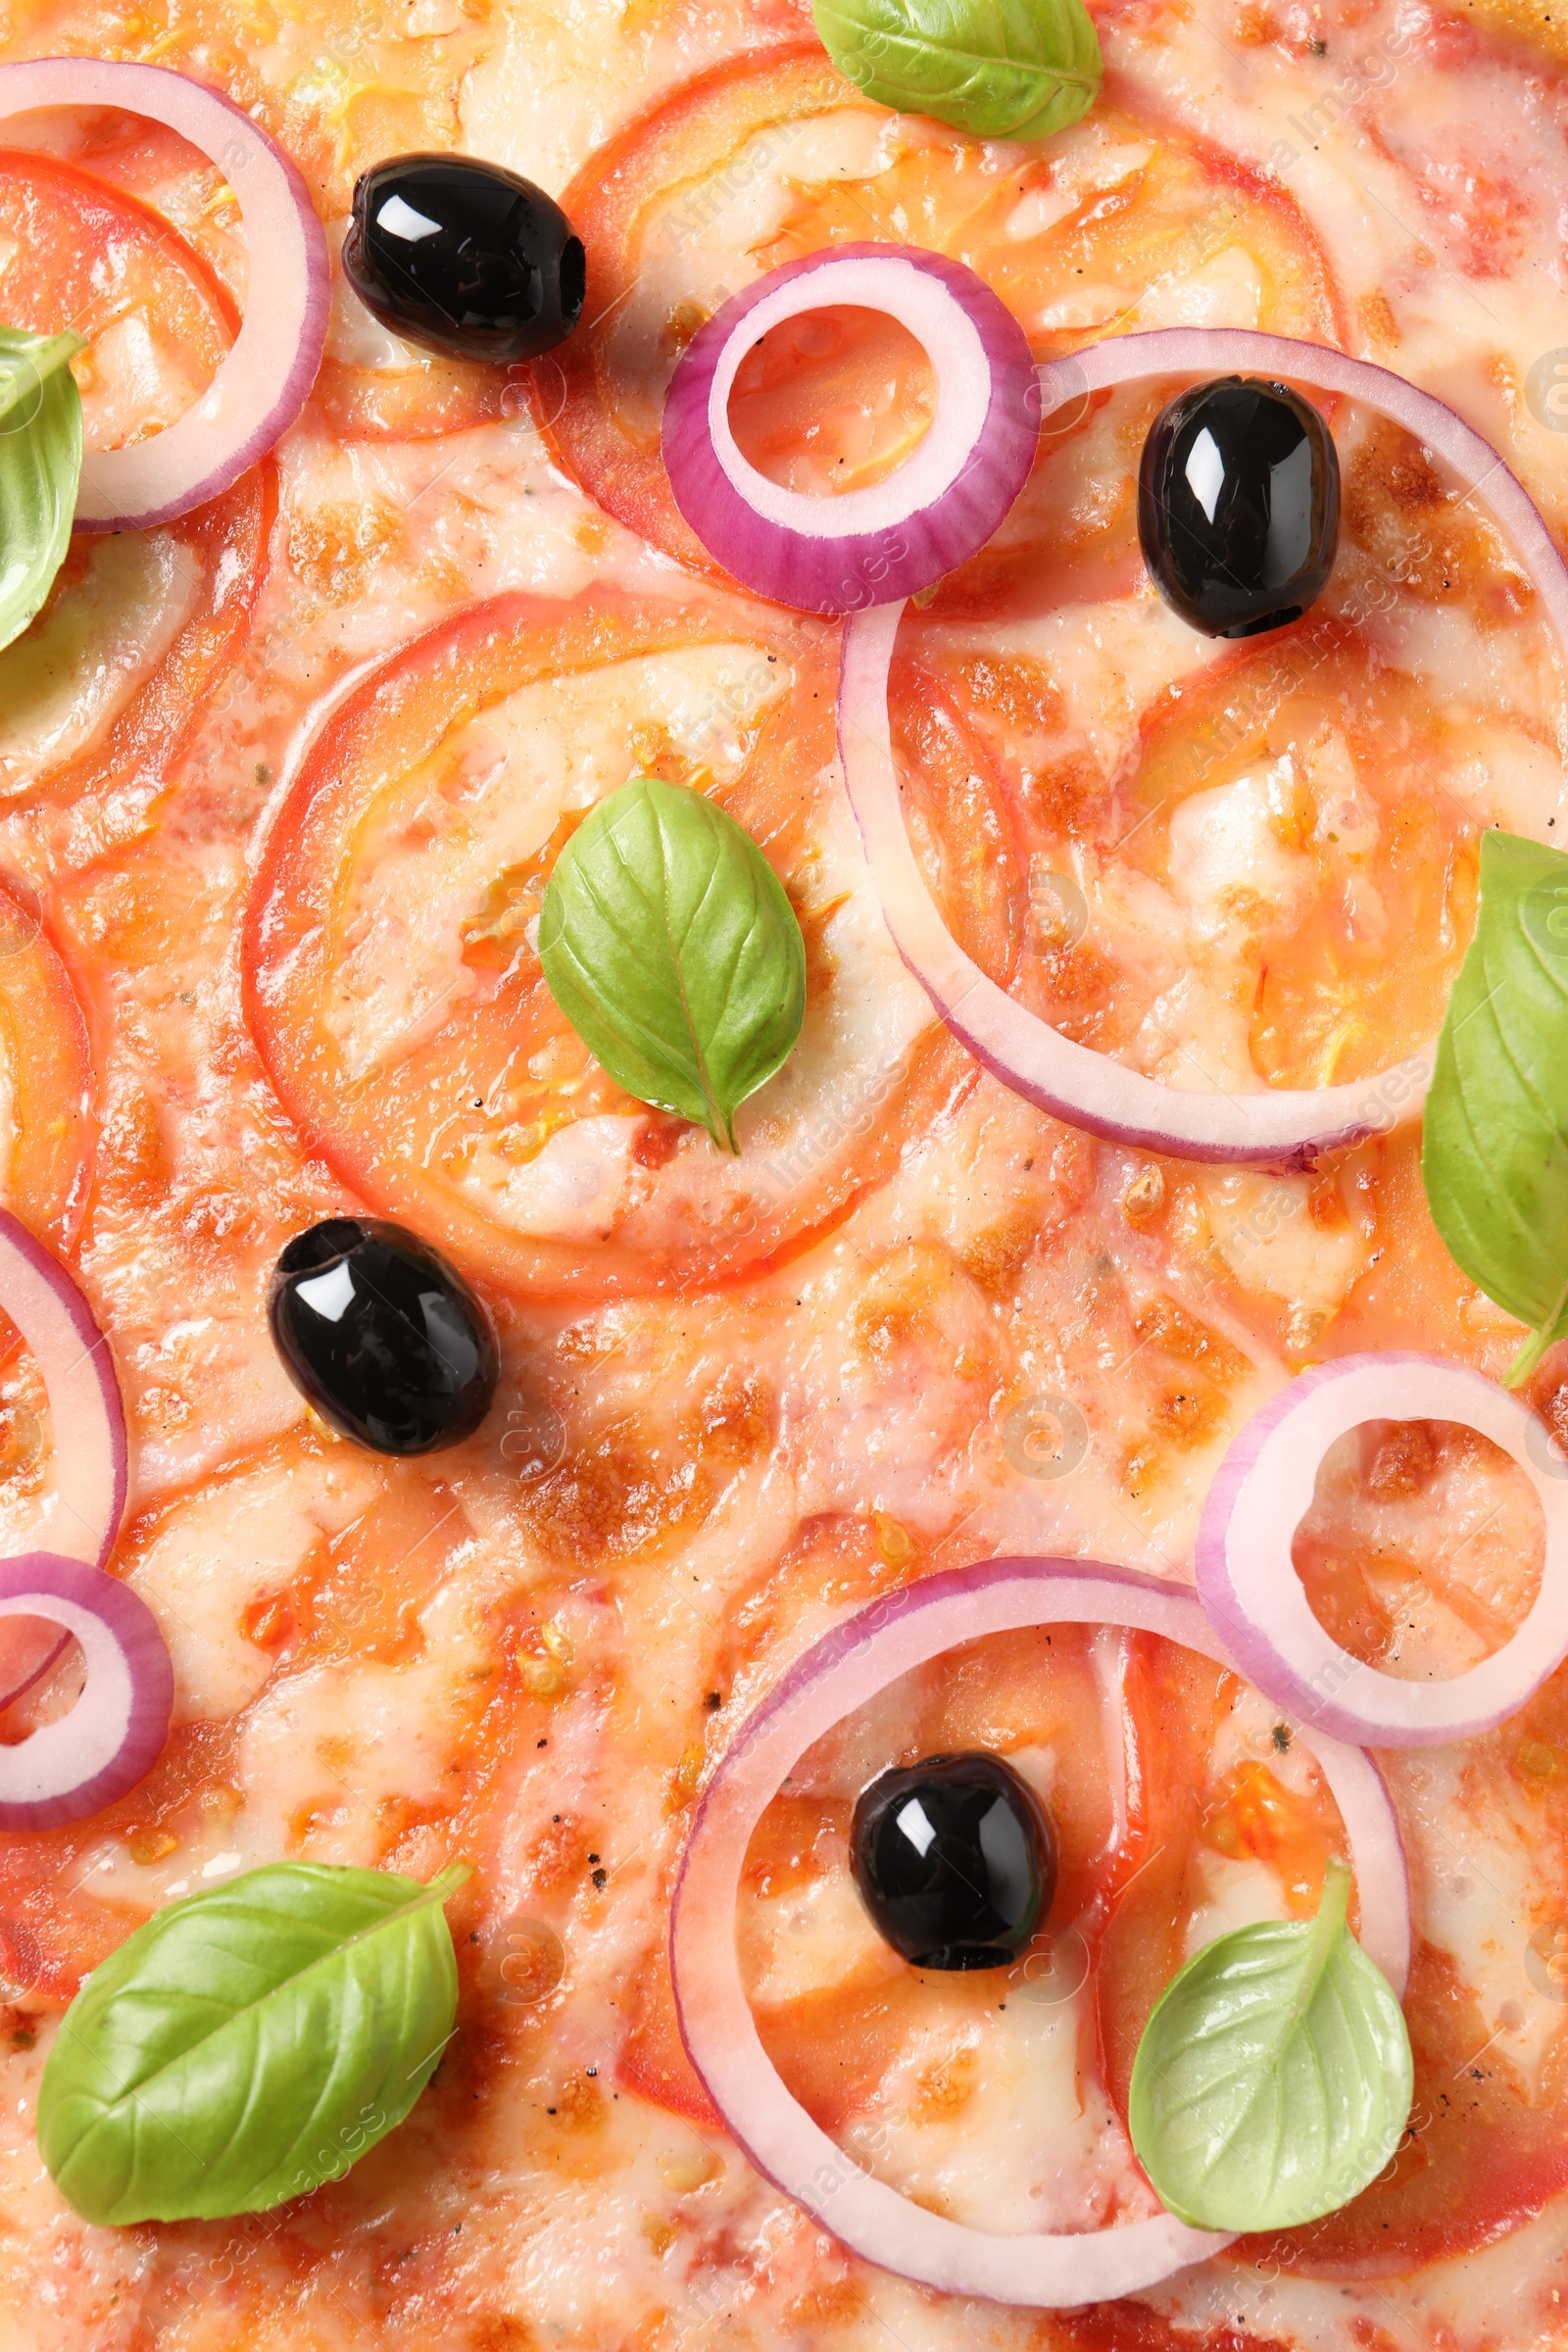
[
  {"x": 91, "y": 1457},
  {"x": 72, "y": 1767},
  {"x": 847, "y": 1668},
  {"x": 1257, "y": 1605},
  {"x": 1271, "y": 1125},
  {"x": 863, "y": 547},
  {"x": 263, "y": 383}
]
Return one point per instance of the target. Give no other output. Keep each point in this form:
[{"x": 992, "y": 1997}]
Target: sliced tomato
[
  {"x": 141, "y": 624},
  {"x": 130, "y": 154},
  {"x": 156, "y": 320},
  {"x": 52, "y": 1929},
  {"x": 47, "y": 1064},
  {"x": 48, "y": 1133},
  {"x": 1364, "y": 844},
  {"x": 652, "y": 2059},
  {"x": 409, "y": 1030},
  {"x": 1482, "y": 2153},
  {"x": 149, "y": 623},
  {"x": 773, "y": 154}
]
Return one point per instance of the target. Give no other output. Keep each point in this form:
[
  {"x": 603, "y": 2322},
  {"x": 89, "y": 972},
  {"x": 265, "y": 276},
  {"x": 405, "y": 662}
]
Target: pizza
[{"x": 1062, "y": 1325}]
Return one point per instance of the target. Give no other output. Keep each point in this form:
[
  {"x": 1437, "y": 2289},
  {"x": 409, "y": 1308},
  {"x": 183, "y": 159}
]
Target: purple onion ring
[
  {"x": 91, "y": 1461},
  {"x": 113, "y": 1734},
  {"x": 1257, "y": 1605},
  {"x": 263, "y": 381},
  {"x": 899, "y": 535}
]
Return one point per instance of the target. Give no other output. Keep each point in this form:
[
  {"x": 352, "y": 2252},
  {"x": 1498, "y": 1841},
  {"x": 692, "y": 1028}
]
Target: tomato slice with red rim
[
  {"x": 156, "y": 319},
  {"x": 104, "y": 690},
  {"x": 46, "y": 1061},
  {"x": 1484, "y": 2150},
  {"x": 418, "y": 400},
  {"x": 773, "y": 155},
  {"x": 48, "y": 1134},
  {"x": 142, "y": 626},
  {"x": 400, "y": 1008}
]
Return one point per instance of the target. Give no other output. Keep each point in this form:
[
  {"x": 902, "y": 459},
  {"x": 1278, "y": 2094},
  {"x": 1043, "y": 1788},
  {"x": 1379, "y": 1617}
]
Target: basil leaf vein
[
  {"x": 1274, "y": 2078},
  {"x": 249, "y": 2043},
  {"x": 669, "y": 945},
  {"x": 40, "y": 466},
  {"x": 1495, "y": 1140},
  {"x": 1001, "y": 68}
]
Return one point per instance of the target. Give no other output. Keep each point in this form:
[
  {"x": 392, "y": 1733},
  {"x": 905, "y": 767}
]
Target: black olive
[
  {"x": 384, "y": 1337},
  {"x": 1238, "y": 506},
  {"x": 464, "y": 257},
  {"x": 955, "y": 1859}
]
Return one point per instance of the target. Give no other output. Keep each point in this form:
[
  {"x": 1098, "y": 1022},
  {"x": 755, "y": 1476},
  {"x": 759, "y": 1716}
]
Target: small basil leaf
[
  {"x": 669, "y": 945},
  {"x": 1495, "y": 1140},
  {"x": 1274, "y": 2076},
  {"x": 1001, "y": 68},
  {"x": 249, "y": 2043},
  {"x": 40, "y": 464}
]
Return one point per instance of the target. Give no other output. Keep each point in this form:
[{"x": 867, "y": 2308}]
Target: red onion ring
[
  {"x": 91, "y": 1456},
  {"x": 263, "y": 383},
  {"x": 835, "y": 554},
  {"x": 844, "y": 1670},
  {"x": 115, "y": 1733},
  {"x": 1247, "y": 1583},
  {"x": 1072, "y": 1082}
]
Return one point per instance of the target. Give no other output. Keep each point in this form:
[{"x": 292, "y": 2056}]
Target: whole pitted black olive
[
  {"x": 955, "y": 1860},
  {"x": 1238, "y": 506},
  {"x": 384, "y": 1337},
  {"x": 464, "y": 257}
]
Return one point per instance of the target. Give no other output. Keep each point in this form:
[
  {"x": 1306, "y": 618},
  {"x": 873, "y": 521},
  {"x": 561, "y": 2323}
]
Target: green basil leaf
[
  {"x": 249, "y": 2043},
  {"x": 669, "y": 945},
  {"x": 1001, "y": 68},
  {"x": 40, "y": 464},
  {"x": 1494, "y": 1138},
  {"x": 1274, "y": 2076}
]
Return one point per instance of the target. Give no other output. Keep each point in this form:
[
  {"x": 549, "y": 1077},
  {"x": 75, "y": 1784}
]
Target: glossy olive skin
[
  {"x": 384, "y": 1337},
  {"x": 955, "y": 1860},
  {"x": 463, "y": 256},
  {"x": 1238, "y": 506}
]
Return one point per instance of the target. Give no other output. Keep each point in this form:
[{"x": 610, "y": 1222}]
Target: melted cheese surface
[{"x": 531, "y": 1651}]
